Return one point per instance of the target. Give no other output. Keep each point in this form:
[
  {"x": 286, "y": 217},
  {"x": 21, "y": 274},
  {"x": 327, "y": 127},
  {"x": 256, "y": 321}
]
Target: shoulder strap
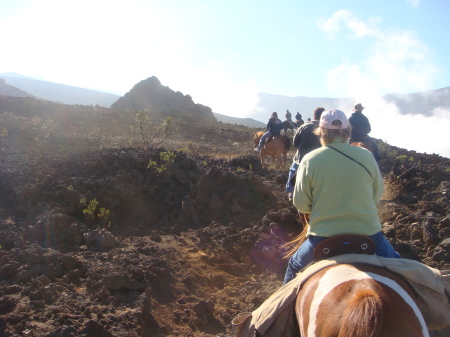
[{"x": 350, "y": 159}]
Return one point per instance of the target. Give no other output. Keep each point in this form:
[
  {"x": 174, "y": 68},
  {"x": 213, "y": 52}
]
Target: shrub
[
  {"x": 167, "y": 158},
  {"x": 154, "y": 136},
  {"x": 101, "y": 218}
]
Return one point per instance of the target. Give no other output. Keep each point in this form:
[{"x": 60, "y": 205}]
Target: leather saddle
[
  {"x": 344, "y": 244},
  {"x": 272, "y": 137}
]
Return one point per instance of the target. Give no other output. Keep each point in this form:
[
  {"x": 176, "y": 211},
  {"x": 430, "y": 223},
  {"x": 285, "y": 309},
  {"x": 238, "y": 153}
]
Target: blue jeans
[
  {"x": 305, "y": 254},
  {"x": 292, "y": 171},
  {"x": 262, "y": 140}
]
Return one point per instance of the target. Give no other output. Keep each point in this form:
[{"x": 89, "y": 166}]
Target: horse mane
[{"x": 364, "y": 315}]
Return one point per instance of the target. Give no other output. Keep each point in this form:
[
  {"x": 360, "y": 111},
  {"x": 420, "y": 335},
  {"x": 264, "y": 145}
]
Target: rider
[
  {"x": 274, "y": 127},
  {"x": 361, "y": 128},
  {"x": 340, "y": 186},
  {"x": 306, "y": 141},
  {"x": 289, "y": 118},
  {"x": 299, "y": 120}
]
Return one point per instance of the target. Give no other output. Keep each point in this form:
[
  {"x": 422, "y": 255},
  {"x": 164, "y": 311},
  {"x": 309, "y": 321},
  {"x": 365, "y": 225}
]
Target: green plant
[
  {"x": 167, "y": 157},
  {"x": 3, "y": 133},
  {"x": 401, "y": 157},
  {"x": 90, "y": 212},
  {"x": 157, "y": 135}
]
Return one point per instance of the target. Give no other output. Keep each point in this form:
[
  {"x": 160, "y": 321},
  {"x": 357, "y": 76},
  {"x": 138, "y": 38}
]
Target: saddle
[
  {"x": 270, "y": 138},
  {"x": 344, "y": 244}
]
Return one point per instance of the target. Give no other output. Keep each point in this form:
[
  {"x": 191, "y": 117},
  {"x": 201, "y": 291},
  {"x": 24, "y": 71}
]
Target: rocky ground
[{"x": 95, "y": 242}]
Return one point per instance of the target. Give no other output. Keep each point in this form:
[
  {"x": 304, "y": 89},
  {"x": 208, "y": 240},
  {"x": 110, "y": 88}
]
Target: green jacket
[{"x": 340, "y": 194}]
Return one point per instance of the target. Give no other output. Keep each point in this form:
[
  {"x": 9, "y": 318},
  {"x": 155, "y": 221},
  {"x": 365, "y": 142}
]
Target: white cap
[{"x": 329, "y": 116}]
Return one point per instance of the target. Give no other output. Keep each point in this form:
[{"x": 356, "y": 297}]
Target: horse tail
[{"x": 363, "y": 316}]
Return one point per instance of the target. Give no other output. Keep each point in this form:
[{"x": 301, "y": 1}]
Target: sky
[{"x": 224, "y": 52}]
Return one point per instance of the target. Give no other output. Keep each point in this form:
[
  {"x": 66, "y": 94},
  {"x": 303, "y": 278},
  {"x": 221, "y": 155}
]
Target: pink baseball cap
[{"x": 333, "y": 115}]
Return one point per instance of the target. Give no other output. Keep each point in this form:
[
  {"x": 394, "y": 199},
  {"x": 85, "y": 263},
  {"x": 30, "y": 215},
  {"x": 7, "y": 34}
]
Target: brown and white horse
[
  {"x": 358, "y": 301},
  {"x": 278, "y": 146}
]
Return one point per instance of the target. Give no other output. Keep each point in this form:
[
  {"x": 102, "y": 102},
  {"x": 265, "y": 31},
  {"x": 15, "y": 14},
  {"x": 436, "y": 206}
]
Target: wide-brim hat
[
  {"x": 358, "y": 107},
  {"x": 329, "y": 117}
]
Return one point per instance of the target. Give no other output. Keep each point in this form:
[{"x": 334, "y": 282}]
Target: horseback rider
[
  {"x": 274, "y": 127},
  {"x": 306, "y": 141},
  {"x": 340, "y": 194},
  {"x": 289, "y": 118},
  {"x": 361, "y": 128},
  {"x": 299, "y": 121}
]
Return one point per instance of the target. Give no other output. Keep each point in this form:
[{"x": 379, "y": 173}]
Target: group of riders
[
  {"x": 336, "y": 187},
  {"x": 336, "y": 184}
]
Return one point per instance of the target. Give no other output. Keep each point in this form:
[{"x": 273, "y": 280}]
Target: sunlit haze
[{"x": 223, "y": 53}]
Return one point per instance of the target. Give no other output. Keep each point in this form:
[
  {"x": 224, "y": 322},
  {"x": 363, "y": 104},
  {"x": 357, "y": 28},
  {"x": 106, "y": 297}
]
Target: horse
[
  {"x": 298, "y": 123},
  {"x": 359, "y": 301},
  {"x": 365, "y": 145},
  {"x": 275, "y": 147},
  {"x": 287, "y": 125}
]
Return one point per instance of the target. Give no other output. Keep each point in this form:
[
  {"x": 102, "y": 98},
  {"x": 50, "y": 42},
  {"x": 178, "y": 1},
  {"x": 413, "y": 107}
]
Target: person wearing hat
[
  {"x": 361, "y": 129},
  {"x": 274, "y": 127},
  {"x": 339, "y": 185}
]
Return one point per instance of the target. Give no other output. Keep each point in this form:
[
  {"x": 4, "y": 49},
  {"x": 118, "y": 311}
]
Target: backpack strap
[{"x": 350, "y": 159}]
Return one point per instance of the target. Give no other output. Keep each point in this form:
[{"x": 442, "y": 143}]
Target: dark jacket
[
  {"x": 274, "y": 126},
  {"x": 305, "y": 140},
  {"x": 360, "y": 127}
]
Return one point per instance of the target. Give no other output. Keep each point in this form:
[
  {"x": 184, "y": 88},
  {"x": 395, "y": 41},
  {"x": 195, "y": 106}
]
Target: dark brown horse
[
  {"x": 359, "y": 301},
  {"x": 275, "y": 147},
  {"x": 288, "y": 126}
]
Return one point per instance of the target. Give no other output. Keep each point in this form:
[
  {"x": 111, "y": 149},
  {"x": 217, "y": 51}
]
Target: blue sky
[{"x": 223, "y": 53}]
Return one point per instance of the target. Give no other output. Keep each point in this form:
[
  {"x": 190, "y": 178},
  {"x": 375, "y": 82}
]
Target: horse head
[{"x": 257, "y": 136}]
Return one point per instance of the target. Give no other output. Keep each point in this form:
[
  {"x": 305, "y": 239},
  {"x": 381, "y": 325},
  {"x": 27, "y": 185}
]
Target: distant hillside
[
  {"x": 416, "y": 103},
  {"x": 61, "y": 93},
  {"x": 421, "y": 102},
  {"x": 9, "y": 90},
  {"x": 151, "y": 95},
  {"x": 239, "y": 121}
]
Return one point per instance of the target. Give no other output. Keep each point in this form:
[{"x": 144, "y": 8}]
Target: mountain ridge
[
  {"x": 61, "y": 93},
  {"x": 423, "y": 103}
]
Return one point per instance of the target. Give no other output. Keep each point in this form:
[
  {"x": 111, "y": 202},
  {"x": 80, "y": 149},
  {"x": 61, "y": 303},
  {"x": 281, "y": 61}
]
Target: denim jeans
[
  {"x": 292, "y": 171},
  {"x": 305, "y": 254},
  {"x": 262, "y": 140}
]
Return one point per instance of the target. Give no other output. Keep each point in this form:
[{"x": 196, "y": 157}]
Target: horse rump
[{"x": 363, "y": 317}]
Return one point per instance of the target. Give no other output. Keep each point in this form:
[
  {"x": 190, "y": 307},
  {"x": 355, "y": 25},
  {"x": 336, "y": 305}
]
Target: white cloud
[
  {"x": 397, "y": 62},
  {"x": 413, "y": 3},
  {"x": 212, "y": 87},
  {"x": 359, "y": 28}
]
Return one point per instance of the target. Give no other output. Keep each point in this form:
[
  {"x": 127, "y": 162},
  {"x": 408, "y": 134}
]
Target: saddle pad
[{"x": 429, "y": 284}]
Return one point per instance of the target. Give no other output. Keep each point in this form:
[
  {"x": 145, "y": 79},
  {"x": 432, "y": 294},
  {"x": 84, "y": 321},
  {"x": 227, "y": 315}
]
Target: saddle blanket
[{"x": 276, "y": 318}]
